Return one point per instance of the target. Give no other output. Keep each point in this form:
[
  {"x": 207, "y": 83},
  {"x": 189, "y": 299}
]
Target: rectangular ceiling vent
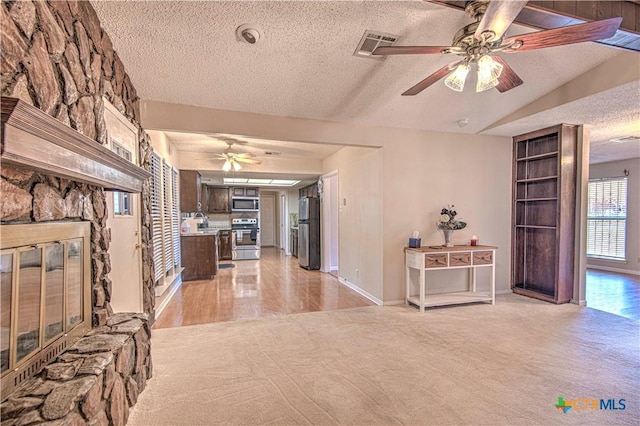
[{"x": 372, "y": 40}]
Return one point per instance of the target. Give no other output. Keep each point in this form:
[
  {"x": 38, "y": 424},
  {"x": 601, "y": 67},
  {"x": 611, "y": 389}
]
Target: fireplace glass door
[
  {"x": 29, "y": 292},
  {"x": 54, "y": 292},
  {"x": 6, "y": 281},
  {"x": 45, "y": 288}
]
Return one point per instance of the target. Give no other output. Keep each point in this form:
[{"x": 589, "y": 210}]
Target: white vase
[{"x": 448, "y": 234}]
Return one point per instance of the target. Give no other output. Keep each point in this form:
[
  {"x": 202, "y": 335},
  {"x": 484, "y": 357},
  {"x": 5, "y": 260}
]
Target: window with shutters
[
  {"x": 607, "y": 218},
  {"x": 175, "y": 217},
  {"x": 167, "y": 229},
  {"x": 156, "y": 215}
]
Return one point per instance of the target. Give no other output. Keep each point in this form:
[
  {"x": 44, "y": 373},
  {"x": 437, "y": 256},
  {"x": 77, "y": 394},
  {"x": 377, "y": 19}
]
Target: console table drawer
[
  {"x": 483, "y": 258},
  {"x": 435, "y": 260},
  {"x": 460, "y": 259}
]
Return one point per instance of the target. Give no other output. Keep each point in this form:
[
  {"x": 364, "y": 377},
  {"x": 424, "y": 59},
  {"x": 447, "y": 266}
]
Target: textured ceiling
[{"x": 303, "y": 66}]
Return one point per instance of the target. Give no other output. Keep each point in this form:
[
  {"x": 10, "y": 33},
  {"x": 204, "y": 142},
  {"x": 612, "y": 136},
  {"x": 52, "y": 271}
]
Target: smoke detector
[{"x": 246, "y": 33}]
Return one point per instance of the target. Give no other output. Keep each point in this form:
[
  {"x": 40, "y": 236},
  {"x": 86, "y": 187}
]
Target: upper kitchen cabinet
[
  {"x": 245, "y": 192},
  {"x": 310, "y": 191},
  {"x": 190, "y": 191},
  {"x": 204, "y": 197},
  {"x": 218, "y": 201}
]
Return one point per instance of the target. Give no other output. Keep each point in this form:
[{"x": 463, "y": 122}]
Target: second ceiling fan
[
  {"x": 232, "y": 158},
  {"x": 477, "y": 43}
]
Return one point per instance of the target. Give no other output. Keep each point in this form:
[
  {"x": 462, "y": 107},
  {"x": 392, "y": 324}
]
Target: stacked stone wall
[
  {"x": 56, "y": 57},
  {"x": 94, "y": 382}
]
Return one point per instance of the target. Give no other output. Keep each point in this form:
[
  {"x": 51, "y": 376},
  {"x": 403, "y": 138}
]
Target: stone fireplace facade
[{"x": 56, "y": 57}]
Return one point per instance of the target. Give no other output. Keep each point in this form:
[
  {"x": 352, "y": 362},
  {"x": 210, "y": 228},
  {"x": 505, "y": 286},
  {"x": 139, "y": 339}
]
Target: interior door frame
[
  {"x": 284, "y": 226},
  {"x": 329, "y": 219}
]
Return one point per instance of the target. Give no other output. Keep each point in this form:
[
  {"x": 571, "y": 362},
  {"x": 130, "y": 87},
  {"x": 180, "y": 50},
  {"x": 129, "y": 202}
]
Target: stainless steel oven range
[{"x": 247, "y": 239}]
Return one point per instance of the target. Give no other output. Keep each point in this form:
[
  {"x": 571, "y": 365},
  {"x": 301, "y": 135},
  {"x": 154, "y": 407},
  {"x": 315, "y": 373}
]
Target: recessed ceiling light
[{"x": 625, "y": 139}]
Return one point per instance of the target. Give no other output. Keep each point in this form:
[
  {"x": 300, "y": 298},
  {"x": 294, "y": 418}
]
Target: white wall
[
  {"x": 390, "y": 191},
  {"x": 423, "y": 175},
  {"x": 616, "y": 169},
  {"x": 360, "y": 216},
  {"x": 165, "y": 149}
]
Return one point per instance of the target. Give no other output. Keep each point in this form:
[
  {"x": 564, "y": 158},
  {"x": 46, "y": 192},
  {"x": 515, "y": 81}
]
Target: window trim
[{"x": 606, "y": 218}]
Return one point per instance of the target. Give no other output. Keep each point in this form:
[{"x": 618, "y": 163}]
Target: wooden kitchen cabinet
[
  {"x": 218, "y": 201},
  {"x": 204, "y": 198},
  {"x": 310, "y": 191},
  {"x": 199, "y": 255},
  {"x": 190, "y": 191},
  {"x": 544, "y": 207},
  {"x": 224, "y": 249},
  {"x": 238, "y": 191}
]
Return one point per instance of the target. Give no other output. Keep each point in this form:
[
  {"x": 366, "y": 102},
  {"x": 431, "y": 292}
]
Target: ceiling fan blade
[
  {"x": 441, "y": 73},
  {"x": 245, "y": 155},
  {"x": 498, "y": 17},
  {"x": 508, "y": 79},
  {"x": 409, "y": 50},
  {"x": 249, "y": 160},
  {"x": 589, "y": 31}
]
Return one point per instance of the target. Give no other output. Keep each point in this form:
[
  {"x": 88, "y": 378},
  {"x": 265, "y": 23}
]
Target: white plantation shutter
[
  {"x": 175, "y": 217},
  {"x": 156, "y": 215},
  {"x": 607, "y": 218},
  {"x": 167, "y": 231}
]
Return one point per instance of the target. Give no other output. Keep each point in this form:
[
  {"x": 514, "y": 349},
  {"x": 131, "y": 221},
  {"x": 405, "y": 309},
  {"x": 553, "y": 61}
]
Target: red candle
[{"x": 474, "y": 241}]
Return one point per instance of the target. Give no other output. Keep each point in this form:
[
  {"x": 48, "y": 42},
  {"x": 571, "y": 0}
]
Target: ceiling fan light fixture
[
  {"x": 226, "y": 166},
  {"x": 236, "y": 166},
  {"x": 488, "y": 73},
  {"x": 456, "y": 79}
]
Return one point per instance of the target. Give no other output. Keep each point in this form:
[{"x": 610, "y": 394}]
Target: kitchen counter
[{"x": 207, "y": 231}]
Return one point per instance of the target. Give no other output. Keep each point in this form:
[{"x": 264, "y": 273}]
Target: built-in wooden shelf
[
  {"x": 544, "y": 176},
  {"x": 536, "y": 226},
  {"x": 537, "y": 179},
  {"x": 529, "y": 200},
  {"x": 539, "y": 156}
]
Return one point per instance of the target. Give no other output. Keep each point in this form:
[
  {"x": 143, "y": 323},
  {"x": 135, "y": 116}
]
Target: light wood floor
[
  {"x": 614, "y": 293},
  {"x": 273, "y": 285}
]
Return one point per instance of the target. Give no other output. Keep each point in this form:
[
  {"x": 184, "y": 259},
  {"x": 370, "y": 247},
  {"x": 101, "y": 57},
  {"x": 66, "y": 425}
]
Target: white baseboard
[
  {"x": 508, "y": 291},
  {"x": 610, "y": 269},
  {"x": 393, "y": 302},
  {"x": 360, "y": 291},
  {"x": 175, "y": 285}
]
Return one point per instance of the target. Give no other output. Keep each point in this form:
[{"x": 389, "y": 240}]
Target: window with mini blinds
[{"x": 607, "y": 218}]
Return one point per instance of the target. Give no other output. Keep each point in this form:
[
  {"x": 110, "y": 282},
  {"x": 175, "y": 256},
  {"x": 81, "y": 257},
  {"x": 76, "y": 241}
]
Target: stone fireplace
[
  {"x": 61, "y": 64},
  {"x": 55, "y": 365}
]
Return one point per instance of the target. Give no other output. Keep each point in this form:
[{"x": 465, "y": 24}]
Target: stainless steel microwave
[{"x": 244, "y": 204}]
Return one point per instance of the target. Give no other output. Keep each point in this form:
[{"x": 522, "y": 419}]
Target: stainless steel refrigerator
[{"x": 309, "y": 233}]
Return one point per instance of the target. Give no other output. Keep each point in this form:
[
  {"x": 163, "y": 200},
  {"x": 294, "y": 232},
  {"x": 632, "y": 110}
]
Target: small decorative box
[{"x": 414, "y": 242}]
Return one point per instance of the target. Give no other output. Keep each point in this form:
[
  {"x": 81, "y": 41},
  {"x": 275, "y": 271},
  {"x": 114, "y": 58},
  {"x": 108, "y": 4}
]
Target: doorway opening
[{"x": 330, "y": 224}]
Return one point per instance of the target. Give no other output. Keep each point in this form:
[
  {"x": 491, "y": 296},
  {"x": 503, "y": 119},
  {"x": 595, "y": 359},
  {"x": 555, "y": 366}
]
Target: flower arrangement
[{"x": 448, "y": 219}]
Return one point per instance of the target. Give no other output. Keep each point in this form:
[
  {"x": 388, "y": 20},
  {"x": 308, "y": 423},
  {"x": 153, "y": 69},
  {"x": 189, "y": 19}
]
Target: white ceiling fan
[{"x": 232, "y": 158}]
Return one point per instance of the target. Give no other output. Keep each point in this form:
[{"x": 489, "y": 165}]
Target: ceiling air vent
[
  {"x": 371, "y": 40},
  {"x": 272, "y": 153}
]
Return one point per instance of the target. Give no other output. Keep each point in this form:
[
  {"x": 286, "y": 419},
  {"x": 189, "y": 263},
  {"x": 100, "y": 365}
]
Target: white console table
[{"x": 426, "y": 259}]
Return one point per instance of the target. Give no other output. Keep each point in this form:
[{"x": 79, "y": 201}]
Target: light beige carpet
[{"x": 473, "y": 364}]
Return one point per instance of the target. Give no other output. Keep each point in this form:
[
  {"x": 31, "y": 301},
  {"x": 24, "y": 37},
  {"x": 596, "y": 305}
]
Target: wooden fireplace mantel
[{"x": 33, "y": 139}]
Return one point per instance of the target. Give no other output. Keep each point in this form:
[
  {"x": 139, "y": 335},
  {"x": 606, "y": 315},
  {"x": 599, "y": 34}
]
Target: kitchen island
[{"x": 199, "y": 255}]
